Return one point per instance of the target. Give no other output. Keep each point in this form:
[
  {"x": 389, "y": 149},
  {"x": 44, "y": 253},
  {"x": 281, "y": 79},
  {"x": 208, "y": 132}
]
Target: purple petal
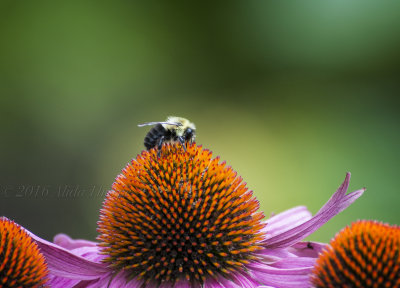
[
  {"x": 301, "y": 249},
  {"x": 286, "y": 273},
  {"x": 286, "y": 220},
  {"x": 89, "y": 253},
  {"x": 245, "y": 280},
  {"x": 64, "y": 263},
  {"x": 61, "y": 282},
  {"x": 209, "y": 283},
  {"x": 307, "y": 249},
  {"x": 337, "y": 203},
  {"x": 237, "y": 280},
  {"x": 225, "y": 283},
  {"x": 84, "y": 248},
  {"x": 68, "y": 243},
  {"x": 117, "y": 281}
]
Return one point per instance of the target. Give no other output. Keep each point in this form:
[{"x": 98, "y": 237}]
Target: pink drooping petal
[
  {"x": 224, "y": 283},
  {"x": 211, "y": 283},
  {"x": 55, "y": 281},
  {"x": 68, "y": 243},
  {"x": 89, "y": 253},
  {"x": 301, "y": 249},
  {"x": 116, "y": 280},
  {"x": 337, "y": 203},
  {"x": 245, "y": 281},
  {"x": 64, "y": 263},
  {"x": 306, "y": 249},
  {"x": 286, "y": 220},
  {"x": 290, "y": 272},
  {"x": 84, "y": 248}
]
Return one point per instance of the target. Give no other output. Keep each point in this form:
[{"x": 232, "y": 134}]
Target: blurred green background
[{"x": 291, "y": 94}]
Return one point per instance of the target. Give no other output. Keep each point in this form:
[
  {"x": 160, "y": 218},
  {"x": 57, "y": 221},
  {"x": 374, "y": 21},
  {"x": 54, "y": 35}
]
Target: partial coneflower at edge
[
  {"x": 21, "y": 263},
  {"x": 366, "y": 254},
  {"x": 183, "y": 218}
]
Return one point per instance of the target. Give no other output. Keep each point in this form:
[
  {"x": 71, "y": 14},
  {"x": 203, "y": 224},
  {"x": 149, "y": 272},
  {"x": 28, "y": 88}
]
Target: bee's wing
[{"x": 155, "y": 123}]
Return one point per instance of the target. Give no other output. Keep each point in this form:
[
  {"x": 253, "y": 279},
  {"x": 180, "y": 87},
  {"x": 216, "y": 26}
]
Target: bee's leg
[
  {"x": 182, "y": 141},
  {"x": 159, "y": 146}
]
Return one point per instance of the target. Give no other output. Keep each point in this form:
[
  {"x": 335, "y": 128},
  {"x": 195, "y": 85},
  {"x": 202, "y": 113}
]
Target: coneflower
[
  {"x": 181, "y": 217},
  {"x": 185, "y": 219},
  {"x": 366, "y": 254},
  {"x": 21, "y": 263}
]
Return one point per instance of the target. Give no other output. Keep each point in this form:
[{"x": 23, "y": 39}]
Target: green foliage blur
[{"x": 291, "y": 94}]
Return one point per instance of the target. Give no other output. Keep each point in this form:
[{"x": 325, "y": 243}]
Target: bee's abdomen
[{"x": 152, "y": 138}]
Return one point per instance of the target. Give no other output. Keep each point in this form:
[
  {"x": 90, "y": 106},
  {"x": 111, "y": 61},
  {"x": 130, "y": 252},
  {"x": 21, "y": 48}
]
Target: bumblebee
[{"x": 174, "y": 129}]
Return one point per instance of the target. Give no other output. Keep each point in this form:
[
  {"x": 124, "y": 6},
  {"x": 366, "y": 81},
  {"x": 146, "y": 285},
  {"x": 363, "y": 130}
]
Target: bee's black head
[{"x": 189, "y": 134}]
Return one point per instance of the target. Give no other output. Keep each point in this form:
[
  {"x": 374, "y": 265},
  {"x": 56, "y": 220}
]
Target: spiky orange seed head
[
  {"x": 366, "y": 254},
  {"x": 183, "y": 215},
  {"x": 21, "y": 263}
]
